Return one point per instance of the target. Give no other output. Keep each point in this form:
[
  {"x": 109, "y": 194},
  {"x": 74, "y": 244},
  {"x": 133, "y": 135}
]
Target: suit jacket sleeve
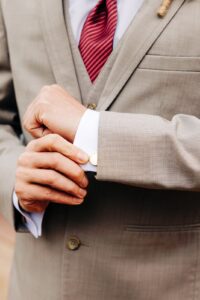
[
  {"x": 149, "y": 151},
  {"x": 10, "y": 145}
]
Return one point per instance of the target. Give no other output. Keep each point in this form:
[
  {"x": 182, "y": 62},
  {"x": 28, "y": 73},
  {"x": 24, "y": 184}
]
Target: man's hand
[
  {"x": 53, "y": 111},
  {"x": 49, "y": 171}
]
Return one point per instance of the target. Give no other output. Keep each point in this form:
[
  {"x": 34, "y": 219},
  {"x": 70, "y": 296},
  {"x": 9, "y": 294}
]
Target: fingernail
[
  {"x": 82, "y": 193},
  {"x": 83, "y": 157},
  {"x": 78, "y": 201},
  {"x": 84, "y": 182}
]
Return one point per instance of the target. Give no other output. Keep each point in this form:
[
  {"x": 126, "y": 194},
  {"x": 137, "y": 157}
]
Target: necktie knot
[{"x": 96, "y": 42}]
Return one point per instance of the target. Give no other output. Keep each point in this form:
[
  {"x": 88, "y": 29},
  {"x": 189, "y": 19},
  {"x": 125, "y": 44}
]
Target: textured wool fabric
[{"x": 140, "y": 235}]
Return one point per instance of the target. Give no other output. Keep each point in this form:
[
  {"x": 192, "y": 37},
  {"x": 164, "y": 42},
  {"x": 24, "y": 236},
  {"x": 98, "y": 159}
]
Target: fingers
[
  {"x": 49, "y": 171},
  {"x": 33, "y": 206},
  {"x": 30, "y": 193},
  {"x": 51, "y": 179},
  {"x": 55, "y": 143},
  {"x": 57, "y": 162}
]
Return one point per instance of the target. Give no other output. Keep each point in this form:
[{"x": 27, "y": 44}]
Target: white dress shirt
[{"x": 78, "y": 11}]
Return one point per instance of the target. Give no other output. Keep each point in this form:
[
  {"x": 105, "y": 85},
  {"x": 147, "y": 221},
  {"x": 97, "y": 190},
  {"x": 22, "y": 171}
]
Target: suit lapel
[
  {"x": 142, "y": 33},
  {"x": 58, "y": 47}
]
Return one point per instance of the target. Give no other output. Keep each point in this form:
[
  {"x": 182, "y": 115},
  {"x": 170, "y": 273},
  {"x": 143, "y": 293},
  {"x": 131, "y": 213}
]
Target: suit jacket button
[
  {"x": 92, "y": 106},
  {"x": 73, "y": 243}
]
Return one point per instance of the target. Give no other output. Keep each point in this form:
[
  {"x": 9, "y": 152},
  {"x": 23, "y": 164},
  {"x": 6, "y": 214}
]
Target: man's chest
[{"x": 157, "y": 69}]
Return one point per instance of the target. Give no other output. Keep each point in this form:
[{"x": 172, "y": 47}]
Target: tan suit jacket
[{"x": 139, "y": 227}]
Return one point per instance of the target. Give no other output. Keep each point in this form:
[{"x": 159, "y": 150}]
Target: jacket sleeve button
[
  {"x": 73, "y": 243},
  {"x": 91, "y": 106}
]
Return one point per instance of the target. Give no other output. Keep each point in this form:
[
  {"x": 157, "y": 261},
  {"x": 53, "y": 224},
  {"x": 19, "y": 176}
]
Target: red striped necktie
[{"x": 96, "y": 42}]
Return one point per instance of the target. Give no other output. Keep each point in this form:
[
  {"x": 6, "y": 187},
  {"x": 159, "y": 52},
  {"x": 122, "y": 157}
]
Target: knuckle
[
  {"x": 48, "y": 142},
  {"x": 31, "y": 145},
  {"x": 20, "y": 160},
  {"x": 45, "y": 89},
  {"x": 80, "y": 174},
  {"x": 53, "y": 138},
  {"x": 19, "y": 172},
  {"x": 41, "y": 105},
  {"x": 24, "y": 123},
  {"x": 54, "y": 86},
  {"x": 22, "y": 193},
  {"x": 43, "y": 97},
  {"x": 52, "y": 178},
  {"x": 55, "y": 162},
  {"x": 24, "y": 159},
  {"x": 18, "y": 188},
  {"x": 57, "y": 197},
  {"x": 73, "y": 188},
  {"x": 49, "y": 194}
]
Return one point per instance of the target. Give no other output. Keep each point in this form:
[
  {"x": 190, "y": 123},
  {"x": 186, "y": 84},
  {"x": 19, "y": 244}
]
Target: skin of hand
[
  {"x": 53, "y": 111},
  {"x": 49, "y": 171}
]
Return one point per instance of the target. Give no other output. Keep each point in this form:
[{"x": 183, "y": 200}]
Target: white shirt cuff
[
  {"x": 33, "y": 220},
  {"x": 87, "y": 136}
]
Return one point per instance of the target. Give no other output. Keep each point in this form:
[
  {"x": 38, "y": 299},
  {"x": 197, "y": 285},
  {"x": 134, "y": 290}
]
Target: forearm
[{"x": 149, "y": 151}]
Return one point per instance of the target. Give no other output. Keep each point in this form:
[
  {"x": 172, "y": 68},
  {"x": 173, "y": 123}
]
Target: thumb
[{"x": 34, "y": 125}]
